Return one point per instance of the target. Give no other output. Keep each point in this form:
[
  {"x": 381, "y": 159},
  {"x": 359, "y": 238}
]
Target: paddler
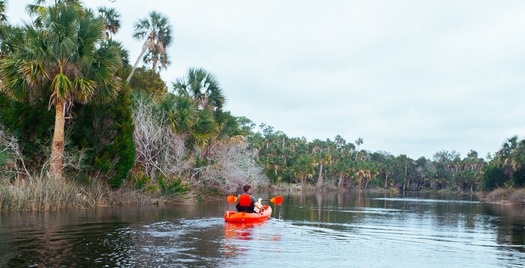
[{"x": 247, "y": 202}]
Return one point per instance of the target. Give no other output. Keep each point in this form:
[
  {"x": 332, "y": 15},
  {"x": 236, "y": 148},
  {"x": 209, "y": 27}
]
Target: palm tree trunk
[
  {"x": 155, "y": 62},
  {"x": 57, "y": 147},
  {"x": 144, "y": 48},
  {"x": 320, "y": 178}
]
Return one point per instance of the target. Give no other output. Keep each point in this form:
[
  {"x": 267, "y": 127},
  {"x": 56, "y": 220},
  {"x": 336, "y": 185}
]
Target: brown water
[{"x": 339, "y": 230}]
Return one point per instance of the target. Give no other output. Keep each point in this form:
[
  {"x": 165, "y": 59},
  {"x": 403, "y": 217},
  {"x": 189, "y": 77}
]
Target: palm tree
[
  {"x": 363, "y": 175},
  {"x": 195, "y": 126},
  {"x": 110, "y": 16},
  {"x": 3, "y": 17},
  {"x": 39, "y": 10},
  {"x": 63, "y": 58},
  {"x": 203, "y": 87},
  {"x": 155, "y": 58},
  {"x": 359, "y": 142},
  {"x": 4, "y": 29},
  {"x": 157, "y": 31},
  {"x": 228, "y": 126}
]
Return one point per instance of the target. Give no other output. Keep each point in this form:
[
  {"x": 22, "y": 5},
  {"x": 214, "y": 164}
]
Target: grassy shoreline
[
  {"x": 42, "y": 194},
  {"x": 505, "y": 196}
]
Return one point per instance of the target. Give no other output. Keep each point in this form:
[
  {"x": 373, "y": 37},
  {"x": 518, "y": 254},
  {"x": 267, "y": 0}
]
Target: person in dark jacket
[{"x": 247, "y": 202}]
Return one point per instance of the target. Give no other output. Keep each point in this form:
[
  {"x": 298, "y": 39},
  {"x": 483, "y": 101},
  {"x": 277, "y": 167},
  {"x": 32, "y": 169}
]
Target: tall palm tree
[
  {"x": 203, "y": 87},
  {"x": 62, "y": 58},
  {"x": 154, "y": 58},
  {"x": 505, "y": 154},
  {"x": 359, "y": 142},
  {"x": 39, "y": 8},
  {"x": 3, "y": 17},
  {"x": 3, "y": 27},
  {"x": 196, "y": 126},
  {"x": 157, "y": 31},
  {"x": 111, "y": 19}
]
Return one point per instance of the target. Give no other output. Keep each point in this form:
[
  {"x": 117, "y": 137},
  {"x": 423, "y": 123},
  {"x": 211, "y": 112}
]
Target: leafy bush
[
  {"x": 173, "y": 186},
  {"x": 493, "y": 178},
  {"x": 106, "y": 132}
]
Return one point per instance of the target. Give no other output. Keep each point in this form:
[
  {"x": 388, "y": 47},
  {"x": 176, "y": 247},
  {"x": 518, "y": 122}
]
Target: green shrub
[
  {"x": 173, "y": 186},
  {"x": 493, "y": 177},
  {"x": 105, "y": 130}
]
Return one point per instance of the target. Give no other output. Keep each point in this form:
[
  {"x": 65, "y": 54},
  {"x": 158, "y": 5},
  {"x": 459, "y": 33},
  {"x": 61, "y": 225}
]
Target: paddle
[
  {"x": 231, "y": 199},
  {"x": 278, "y": 200}
]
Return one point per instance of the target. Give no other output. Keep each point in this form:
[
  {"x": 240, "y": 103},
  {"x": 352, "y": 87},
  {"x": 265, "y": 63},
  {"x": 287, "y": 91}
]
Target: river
[{"x": 308, "y": 230}]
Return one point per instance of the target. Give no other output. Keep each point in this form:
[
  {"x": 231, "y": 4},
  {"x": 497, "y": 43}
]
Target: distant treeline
[{"x": 340, "y": 163}]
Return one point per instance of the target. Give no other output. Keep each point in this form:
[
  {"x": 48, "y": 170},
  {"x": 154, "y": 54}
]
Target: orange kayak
[{"x": 234, "y": 216}]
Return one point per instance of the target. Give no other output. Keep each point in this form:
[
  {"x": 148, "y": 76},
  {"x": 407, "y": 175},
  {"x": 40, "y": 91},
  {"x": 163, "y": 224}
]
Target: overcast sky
[{"x": 409, "y": 77}]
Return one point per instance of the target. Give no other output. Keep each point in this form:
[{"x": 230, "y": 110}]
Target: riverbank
[
  {"x": 45, "y": 193},
  {"x": 505, "y": 196},
  {"x": 40, "y": 194}
]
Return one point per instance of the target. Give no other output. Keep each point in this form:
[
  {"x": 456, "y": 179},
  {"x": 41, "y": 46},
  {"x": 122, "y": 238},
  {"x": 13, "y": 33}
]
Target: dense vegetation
[
  {"x": 341, "y": 163},
  {"x": 77, "y": 120}
]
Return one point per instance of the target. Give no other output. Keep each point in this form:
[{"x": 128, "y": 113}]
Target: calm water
[{"x": 339, "y": 230}]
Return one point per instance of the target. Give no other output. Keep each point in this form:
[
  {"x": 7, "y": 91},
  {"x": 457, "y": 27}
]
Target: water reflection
[
  {"x": 308, "y": 230},
  {"x": 509, "y": 221},
  {"x": 55, "y": 239},
  {"x": 233, "y": 232},
  {"x": 239, "y": 231},
  {"x": 457, "y": 225},
  {"x": 250, "y": 241}
]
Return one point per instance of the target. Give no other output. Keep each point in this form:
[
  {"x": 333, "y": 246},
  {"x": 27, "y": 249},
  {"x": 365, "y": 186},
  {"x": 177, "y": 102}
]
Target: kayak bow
[{"x": 234, "y": 216}]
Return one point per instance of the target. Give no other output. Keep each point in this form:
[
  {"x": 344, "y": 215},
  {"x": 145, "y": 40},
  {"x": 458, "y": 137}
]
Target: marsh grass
[
  {"x": 505, "y": 195},
  {"x": 48, "y": 193},
  {"x": 40, "y": 194},
  {"x": 518, "y": 196}
]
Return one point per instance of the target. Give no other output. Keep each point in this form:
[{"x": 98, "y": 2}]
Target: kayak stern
[{"x": 234, "y": 216}]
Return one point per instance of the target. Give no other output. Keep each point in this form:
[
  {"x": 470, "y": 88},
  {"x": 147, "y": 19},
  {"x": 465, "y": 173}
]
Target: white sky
[{"x": 410, "y": 77}]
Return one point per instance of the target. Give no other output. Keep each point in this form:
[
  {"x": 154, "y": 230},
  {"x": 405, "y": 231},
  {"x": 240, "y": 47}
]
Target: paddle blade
[
  {"x": 231, "y": 199},
  {"x": 277, "y": 200}
]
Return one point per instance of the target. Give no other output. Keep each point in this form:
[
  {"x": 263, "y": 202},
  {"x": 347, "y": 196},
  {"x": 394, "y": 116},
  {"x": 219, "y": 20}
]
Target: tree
[
  {"x": 322, "y": 156},
  {"x": 63, "y": 58},
  {"x": 148, "y": 81},
  {"x": 157, "y": 31},
  {"x": 359, "y": 142},
  {"x": 203, "y": 87},
  {"x": 4, "y": 29},
  {"x": 3, "y": 17},
  {"x": 493, "y": 177},
  {"x": 9, "y": 37},
  {"x": 110, "y": 16},
  {"x": 363, "y": 175},
  {"x": 105, "y": 131},
  {"x": 39, "y": 10},
  {"x": 304, "y": 168},
  {"x": 204, "y": 90},
  {"x": 196, "y": 126},
  {"x": 404, "y": 165}
]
